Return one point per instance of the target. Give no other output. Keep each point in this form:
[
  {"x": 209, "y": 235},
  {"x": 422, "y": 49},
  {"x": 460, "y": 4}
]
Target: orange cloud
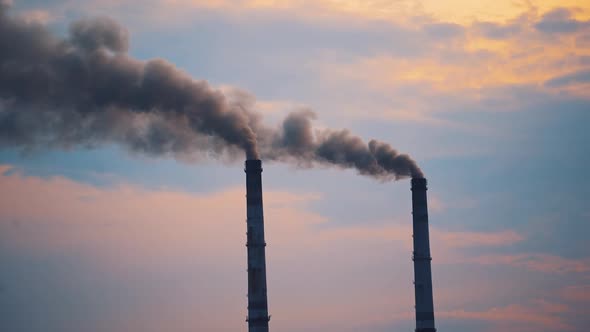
[
  {"x": 500, "y": 45},
  {"x": 473, "y": 64},
  {"x": 457, "y": 11},
  {"x": 488, "y": 56}
]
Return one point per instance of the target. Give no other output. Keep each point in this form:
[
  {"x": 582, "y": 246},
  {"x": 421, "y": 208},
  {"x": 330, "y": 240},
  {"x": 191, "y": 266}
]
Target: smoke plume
[
  {"x": 297, "y": 141},
  {"x": 85, "y": 90}
]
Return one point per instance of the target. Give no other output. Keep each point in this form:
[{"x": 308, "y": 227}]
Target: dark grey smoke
[
  {"x": 298, "y": 141},
  {"x": 85, "y": 90}
]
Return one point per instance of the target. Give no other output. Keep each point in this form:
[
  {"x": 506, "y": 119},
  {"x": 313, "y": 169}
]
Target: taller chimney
[
  {"x": 257, "y": 300},
  {"x": 421, "y": 258}
]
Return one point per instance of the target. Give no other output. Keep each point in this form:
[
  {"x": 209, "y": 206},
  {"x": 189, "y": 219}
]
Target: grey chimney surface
[
  {"x": 257, "y": 298},
  {"x": 421, "y": 258}
]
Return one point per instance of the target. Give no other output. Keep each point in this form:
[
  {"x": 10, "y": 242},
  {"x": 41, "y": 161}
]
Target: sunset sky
[{"x": 491, "y": 98}]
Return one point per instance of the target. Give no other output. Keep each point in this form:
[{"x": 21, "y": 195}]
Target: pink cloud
[
  {"x": 537, "y": 315},
  {"x": 136, "y": 236},
  {"x": 577, "y": 293},
  {"x": 538, "y": 262},
  {"x": 37, "y": 16},
  {"x": 183, "y": 256},
  {"x": 461, "y": 239}
]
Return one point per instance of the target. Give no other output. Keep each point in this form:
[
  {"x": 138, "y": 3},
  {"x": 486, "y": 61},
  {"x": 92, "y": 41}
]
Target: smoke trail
[
  {"x": 85, "y": 90},
  {"x": 297, "y": 141}
]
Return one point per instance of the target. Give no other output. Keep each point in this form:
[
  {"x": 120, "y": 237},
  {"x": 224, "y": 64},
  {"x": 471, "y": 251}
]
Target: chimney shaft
[
  {"x": 257, "y": 299},
  {"x": 421, "y": 258}
]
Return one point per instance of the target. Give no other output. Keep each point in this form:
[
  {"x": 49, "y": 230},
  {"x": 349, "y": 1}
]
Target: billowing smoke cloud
[{"x": 84, "y": 90}]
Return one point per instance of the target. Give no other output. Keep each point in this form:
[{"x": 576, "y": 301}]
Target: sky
[{"x": 489, "y": 97}]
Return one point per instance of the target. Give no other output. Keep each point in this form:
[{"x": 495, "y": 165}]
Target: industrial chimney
[
  {"x": 257, "y": 301},
  {"x": 421, "y": 258}
]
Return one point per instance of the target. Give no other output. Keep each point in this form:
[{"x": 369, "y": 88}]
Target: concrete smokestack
[
  {"x": 257, "y": 299},
  {"x": 421, "y": 258}
]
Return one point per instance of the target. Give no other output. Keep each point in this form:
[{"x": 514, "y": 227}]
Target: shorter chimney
[{"x": 421, "y": 258}]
